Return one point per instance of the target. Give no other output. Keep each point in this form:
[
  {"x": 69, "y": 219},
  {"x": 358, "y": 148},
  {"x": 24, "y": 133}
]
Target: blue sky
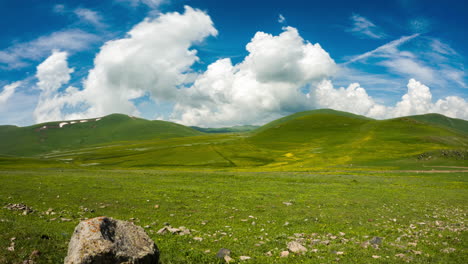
[{"x": 221, "y": 63}]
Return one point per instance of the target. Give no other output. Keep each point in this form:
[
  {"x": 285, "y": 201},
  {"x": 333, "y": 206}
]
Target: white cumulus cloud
[
  {"x": 416, "y": 101},
  {"x": 155, "y": 58},
  {"x": 52, "y": 74},
  {"x": 266, "y": 85}
]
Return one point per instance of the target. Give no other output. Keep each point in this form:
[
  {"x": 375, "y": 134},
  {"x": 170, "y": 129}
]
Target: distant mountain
[
  {"x": 81, "y": 133},
  {"x": 233, "y": 129}
]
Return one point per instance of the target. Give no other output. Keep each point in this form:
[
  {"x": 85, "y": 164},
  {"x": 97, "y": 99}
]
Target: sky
[{"x": 214, "y": 63}]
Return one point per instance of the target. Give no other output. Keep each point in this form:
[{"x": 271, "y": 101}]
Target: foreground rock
[{"x": 105, "y": 240}]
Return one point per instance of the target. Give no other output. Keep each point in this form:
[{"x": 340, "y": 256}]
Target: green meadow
[{"x": 348, "y": 188}]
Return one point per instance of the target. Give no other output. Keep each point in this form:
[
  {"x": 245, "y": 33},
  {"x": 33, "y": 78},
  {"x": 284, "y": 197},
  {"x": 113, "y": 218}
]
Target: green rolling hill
[
  {"x": 307, "y": 140},
  {"x": 54, "y": 136}
]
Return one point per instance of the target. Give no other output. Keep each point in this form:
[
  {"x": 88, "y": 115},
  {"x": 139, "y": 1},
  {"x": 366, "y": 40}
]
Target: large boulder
[{"x": 103, "y": 240}]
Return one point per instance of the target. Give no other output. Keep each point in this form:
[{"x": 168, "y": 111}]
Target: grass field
[
  {"x": 419, "y": 216},
  {"x": 349, "y": 188}
]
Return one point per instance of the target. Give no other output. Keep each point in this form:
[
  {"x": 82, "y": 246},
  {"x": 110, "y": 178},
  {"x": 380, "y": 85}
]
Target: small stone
[
  {"x": 268, "y": 254},
  {"x": 296, "y": 247},
  {"x": 223, "y": 252},
  {"x": 376, "y": 240},
  {"x": 339, "y": 252},
  {"x": 375, "y": 256},
  {"x": 197, "y": 238},
  {"x": 156, "y": 206},
  {"x": 228, "y": 259},
  {"x": 284, "y": 254},
  {"x": 287, "y": 203},
  {"x": 65, "y": 219},
  {"x": 448, "y": 250},
  {"x": 244, "y": 258}
]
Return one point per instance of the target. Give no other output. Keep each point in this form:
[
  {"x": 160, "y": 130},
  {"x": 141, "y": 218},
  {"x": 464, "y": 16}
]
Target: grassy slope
[
  {"x": 443, "y": 121},
  {"x": 27, "y": 141},
  {"x": 233, "y": 129},
  {"x": 314, "y": 140},
  {"x": 321, "y": 138}
]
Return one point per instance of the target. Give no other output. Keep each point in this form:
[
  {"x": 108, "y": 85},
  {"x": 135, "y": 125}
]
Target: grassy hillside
[
  {"x": 50, "y": 136},
  {"x": 443, "y": 121},
  {"x": 233, "y": 129},
  {"x": 321, "y": 138},
  {"x": 312, "y": 140}
]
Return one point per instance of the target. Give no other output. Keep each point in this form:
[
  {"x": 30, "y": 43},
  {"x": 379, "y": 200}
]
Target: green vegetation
[
  {"x": 40, "y": 138},
  {"x": 330, "y": 180},
  {"x": 233, "y": 129},
  {"x": 421, "y": 216}
]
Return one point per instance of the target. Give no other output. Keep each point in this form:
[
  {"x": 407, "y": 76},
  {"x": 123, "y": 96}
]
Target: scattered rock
[
  {"x": 198, "y": 239},
  {"x": 107, "y": 241},
  {"x": 182, "y": 230},
  {"x": 284, "y": 254},
  {"x": 244, "y": 258},
  {"x": 223, "y": 253},
  {"x": 19, "y": 207},
  {"x": 268, "y": 254},
  {"x": 287, "y": 203},
  {"x": 448, "y": 250},
  {"x": 375, "y": 256},
  {"x": 228, "y": 259},
  {"x": 376, "y": 240},
  {"x": 156, "y": 206},
  {"x": 296, "y": 247}
]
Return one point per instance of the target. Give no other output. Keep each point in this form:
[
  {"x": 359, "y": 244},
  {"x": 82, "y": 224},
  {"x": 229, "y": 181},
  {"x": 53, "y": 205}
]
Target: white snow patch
[
  {"x": 83, "y": 121},
  {"x": 97, "y": 119},
  {"x": 63, "y": 124},
  {"x": 73, "y": 122}
]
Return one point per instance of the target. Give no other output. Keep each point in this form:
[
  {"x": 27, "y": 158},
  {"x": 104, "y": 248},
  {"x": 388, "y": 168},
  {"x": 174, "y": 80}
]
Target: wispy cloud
[
  {"x": 364, "y": 28},
  {"x": 424, "y": 58},
  {"x": 281, "y": 19},
  {"x": 8, "y": 91},
  {"x": 85, "y": 15},
  {"x": 386, "y": 48},
  {"x": 22, "y": 54},
  {"x": 89, "y": 16},
  {"x": 149, "y": 3}
]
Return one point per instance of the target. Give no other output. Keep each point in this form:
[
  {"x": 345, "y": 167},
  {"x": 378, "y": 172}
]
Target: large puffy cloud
[
  {"x": 52, "y": 74},
  {"x": 155, "y": 58},
  {"x": 266, "y": 85},
  {"x": 353, "y": 99},
  {"x": 417, "y": 100}
]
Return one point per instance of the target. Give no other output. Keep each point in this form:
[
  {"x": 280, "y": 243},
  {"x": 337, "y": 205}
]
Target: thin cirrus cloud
[
  {"x": 364, "y": 28},
  {"x": 149, "y": 3},
  {"x": 22, "y": 54},
  {"x": 416, "y": 56},
  {"x": 8, "y": 91},
  {"x": 84, "y": 15}
]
